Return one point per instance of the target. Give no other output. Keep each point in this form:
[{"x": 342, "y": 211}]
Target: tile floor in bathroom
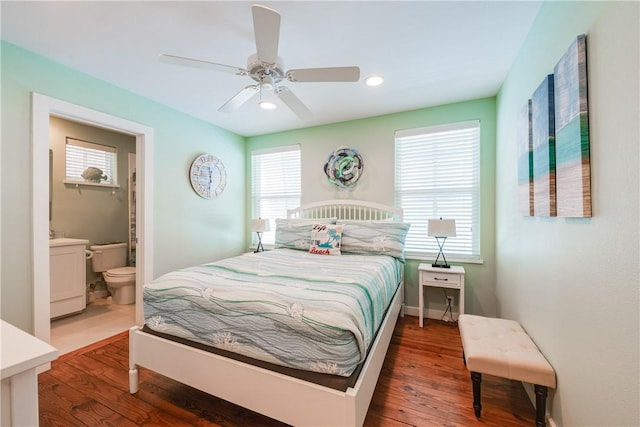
[{"x": 101, "y": 319}]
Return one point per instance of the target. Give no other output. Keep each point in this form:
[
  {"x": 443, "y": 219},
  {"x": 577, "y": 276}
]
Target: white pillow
[
  {"x": 295, "y": 233},
  {"x": 325, "y": 239}
]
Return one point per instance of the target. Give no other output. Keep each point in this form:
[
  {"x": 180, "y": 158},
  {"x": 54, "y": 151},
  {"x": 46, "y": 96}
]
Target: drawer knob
[{"x": 437, "y": 278}]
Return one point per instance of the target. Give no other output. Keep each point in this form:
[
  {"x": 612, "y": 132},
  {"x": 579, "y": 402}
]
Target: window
[
  {"x": 438, "y": 175},
  {"x": 82, "y": 155},
  {"x": 276, "y": 187}
]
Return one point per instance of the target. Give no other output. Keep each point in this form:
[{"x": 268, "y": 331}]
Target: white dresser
[{"x": 68, "y": 272}]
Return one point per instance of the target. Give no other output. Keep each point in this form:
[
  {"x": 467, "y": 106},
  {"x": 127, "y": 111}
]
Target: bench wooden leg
[
  {"x": 476, "y": 379},
  {"x": 541, "y": 403}
]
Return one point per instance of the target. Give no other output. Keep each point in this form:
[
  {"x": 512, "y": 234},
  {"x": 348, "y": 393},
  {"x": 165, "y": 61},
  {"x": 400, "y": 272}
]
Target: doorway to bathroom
[
  {"x": 45, "y": 108},
  {"x": 92, "y": 198}
]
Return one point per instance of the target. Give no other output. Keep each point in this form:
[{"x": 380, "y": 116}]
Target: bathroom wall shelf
[{"x": 89, "y": 184}]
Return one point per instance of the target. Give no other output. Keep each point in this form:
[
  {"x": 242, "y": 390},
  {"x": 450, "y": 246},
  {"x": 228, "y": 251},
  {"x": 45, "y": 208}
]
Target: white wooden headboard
[{"x": 358, "y": 210}]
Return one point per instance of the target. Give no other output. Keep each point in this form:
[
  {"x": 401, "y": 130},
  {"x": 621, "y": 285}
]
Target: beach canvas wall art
[
  {"x": 543, "y": 141},
  {"x": 525, "y": 160},
  {"x": 573, "y": 167}
]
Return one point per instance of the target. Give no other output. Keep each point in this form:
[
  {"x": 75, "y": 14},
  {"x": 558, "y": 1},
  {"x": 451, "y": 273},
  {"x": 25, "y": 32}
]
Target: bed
[{"x": 336, "y": 394}]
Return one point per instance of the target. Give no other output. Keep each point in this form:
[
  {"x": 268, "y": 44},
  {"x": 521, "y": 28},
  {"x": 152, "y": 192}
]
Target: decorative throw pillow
[
  {"x": 295, "y": 233},
  {"x": 377, "y": 238},
  {"x": 325, "y": 239}
]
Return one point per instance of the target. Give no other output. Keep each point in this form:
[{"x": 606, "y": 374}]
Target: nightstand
[{"x": 445, "y": 278}]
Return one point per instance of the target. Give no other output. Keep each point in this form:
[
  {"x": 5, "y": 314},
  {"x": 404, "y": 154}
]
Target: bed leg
[
  {"x": 133, "y": 381},
  {"x": 133, "y": 368}
]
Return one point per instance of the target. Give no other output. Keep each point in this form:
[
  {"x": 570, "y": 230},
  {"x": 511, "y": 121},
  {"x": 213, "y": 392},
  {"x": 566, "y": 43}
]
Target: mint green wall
[
  {"x": 187, "y": 228},
  {"x": 574, "y": 283},
  {"x": 374, "y": 138}
]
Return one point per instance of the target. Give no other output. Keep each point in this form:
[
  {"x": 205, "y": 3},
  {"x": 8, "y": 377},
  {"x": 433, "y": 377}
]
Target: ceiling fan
[{"x": 265, "y": 67}]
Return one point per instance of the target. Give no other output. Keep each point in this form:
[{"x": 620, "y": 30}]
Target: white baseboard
[
  {"x": 428, "y": 313},
  {"x": 411, "y": 311}
]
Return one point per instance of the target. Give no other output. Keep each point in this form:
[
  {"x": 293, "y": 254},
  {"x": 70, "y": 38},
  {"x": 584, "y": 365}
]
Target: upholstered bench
[{"x": 502, "y": 348}]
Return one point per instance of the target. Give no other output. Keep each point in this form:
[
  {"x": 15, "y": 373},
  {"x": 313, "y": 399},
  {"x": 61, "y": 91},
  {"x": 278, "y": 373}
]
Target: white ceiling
[{"x": 430, "y": 53}]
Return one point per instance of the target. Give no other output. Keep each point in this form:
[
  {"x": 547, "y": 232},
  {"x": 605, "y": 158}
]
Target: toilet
[{"x": 111, "y": 261}]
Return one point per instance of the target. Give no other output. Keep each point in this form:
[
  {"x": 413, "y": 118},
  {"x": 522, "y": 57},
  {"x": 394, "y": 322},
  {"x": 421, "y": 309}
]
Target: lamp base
[
  {"x": 259, "y": 248},
  {"x": 440, "y": 253},
  {"x": 441, "y": 265}
]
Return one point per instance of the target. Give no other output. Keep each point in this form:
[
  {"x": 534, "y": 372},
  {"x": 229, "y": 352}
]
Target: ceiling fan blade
[
  {"x": 266, "y": 25},
  {"x": 294, "y": 103},
  {"x": 197, "y": 63},
  {"x": 240, "y": 98},
  {"x": 330, "y": 74}
]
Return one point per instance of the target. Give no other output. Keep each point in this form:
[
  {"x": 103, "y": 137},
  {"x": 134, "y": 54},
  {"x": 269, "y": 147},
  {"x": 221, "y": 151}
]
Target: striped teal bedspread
[{"x": 287, "y": 307}]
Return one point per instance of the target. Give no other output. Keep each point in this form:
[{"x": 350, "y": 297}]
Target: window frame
[
  {"x": 108, "y": 150},
  {"x": 454, "y": 193},
  {"x": 291, "y": 196}
]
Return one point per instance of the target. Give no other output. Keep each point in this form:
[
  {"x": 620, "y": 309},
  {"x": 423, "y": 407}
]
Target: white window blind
[
  {"x": 81, "y": 155},
  {"x": 438, "y": 175},
  {"x": 276, "y": 185}
]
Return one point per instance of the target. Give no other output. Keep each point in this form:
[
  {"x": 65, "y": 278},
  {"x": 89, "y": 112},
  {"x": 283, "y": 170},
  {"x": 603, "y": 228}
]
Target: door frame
[{"x": 42, "y": 108}]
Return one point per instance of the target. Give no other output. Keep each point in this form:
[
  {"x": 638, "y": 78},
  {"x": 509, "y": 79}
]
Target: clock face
[{"x": 208, "y": 176}]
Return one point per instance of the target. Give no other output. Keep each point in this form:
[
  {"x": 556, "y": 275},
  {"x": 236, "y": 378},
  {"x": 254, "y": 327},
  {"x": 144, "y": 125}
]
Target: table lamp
[
  {"x": 441, "y": 229},
  {"x": 259, "y": 226}
]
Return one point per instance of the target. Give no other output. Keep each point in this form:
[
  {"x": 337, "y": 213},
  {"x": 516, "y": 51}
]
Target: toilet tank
[{"x": 106, "y": 257}]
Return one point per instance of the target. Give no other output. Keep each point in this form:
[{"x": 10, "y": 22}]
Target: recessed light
[{"x": 374, "y": 80}]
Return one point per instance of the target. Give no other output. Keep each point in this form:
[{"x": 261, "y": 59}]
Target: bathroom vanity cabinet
[{"x": 67, "y": 265}]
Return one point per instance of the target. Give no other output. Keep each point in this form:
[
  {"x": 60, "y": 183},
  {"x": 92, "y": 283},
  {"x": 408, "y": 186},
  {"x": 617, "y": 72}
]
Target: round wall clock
[{"x": 208, "y": 176}]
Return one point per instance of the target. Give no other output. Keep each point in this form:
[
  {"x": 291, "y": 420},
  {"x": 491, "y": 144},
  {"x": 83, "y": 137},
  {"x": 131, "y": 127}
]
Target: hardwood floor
[{"x": 423, "y": 383}]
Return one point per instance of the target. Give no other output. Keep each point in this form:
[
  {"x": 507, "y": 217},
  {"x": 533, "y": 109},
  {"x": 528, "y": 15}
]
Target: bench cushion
[{"x": 502, "y": 348}]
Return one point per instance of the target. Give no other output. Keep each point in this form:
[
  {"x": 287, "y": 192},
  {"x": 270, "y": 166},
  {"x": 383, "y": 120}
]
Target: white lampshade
[
  {"x": 441, "y": 228},
  {"x": 259, "y": 225}
]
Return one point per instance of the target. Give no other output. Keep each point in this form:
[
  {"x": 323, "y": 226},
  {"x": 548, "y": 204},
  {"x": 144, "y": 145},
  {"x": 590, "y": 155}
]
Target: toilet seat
[{"x": 121, "y": 271}]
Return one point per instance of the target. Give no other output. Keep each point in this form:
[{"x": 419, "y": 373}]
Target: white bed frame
[{"x": 291, "y": 400}]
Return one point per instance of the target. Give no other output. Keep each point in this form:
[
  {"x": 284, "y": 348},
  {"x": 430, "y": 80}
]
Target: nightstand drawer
[{"x": 442, "y": 279}]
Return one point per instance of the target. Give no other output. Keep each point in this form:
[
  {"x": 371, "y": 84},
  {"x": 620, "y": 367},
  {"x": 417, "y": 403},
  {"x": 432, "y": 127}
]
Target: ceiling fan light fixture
[
  {"x": 265, "y": 104},
  {"x": 374, "y": 80}
]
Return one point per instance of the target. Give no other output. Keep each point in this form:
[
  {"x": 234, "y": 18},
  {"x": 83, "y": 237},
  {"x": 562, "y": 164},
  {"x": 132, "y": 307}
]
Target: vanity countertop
[{"x": 67, "y": 241}]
